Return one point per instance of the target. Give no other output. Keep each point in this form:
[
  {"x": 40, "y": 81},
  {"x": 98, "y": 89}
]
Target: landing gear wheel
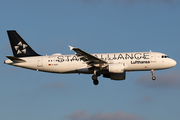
[
  {"x": 96, "y": 82},
  {"x": 153, "y": 78},
  {"x": 94, "y": 77}
]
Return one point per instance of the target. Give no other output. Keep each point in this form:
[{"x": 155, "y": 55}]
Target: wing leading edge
[{"x": 88, "y": 58}]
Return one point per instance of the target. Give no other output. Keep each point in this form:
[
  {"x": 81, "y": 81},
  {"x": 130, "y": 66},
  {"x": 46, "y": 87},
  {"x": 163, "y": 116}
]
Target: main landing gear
[
  {"x": 153, "y": 77},
  {"x": 95, "y": 80},
  {"x": 94, "y": 77}
]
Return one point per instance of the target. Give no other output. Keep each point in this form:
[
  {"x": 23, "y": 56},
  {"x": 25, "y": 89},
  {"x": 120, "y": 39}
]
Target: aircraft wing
[{"x": 86, "y": 57}]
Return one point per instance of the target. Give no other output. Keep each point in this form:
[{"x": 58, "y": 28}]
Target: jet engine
[
  {"x": 115, "y": 76},
  {"x": 116, "y": 68}
]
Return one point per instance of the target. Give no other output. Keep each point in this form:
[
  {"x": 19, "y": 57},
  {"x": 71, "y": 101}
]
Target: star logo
[{"x": 20, "y": 48}]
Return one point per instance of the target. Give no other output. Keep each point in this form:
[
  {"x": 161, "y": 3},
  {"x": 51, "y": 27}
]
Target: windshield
[{"x": 165, "y": 56}]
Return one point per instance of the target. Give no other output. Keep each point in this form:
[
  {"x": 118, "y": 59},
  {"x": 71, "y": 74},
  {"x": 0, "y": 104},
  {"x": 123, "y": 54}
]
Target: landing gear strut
[{"x": 153, "y": 77}]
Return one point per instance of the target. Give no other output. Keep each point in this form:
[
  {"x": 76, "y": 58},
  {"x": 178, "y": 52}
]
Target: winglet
[{"x": 71, "y": 47}]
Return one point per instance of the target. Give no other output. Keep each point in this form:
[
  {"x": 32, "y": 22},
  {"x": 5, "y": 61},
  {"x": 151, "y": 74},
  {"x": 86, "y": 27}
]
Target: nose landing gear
[{"x": 153, "y": 77}]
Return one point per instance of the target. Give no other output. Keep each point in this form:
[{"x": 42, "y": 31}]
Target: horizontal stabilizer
[{"x": 15, "y": 59}]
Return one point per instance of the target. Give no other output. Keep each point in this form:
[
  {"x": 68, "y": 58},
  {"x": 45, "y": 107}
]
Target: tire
[
  {"x": 96, "y": 82},
  {"x": 153, "y": 78}
]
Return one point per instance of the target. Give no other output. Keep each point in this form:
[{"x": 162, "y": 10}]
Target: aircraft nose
[{"x": 173, "y": 62}]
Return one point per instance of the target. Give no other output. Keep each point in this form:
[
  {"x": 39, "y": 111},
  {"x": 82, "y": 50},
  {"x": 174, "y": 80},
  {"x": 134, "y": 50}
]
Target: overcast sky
[{"x": 95, "y": 26}]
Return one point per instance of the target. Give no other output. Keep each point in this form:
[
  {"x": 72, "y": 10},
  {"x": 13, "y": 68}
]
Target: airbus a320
[{"x": 110, "y": 65}]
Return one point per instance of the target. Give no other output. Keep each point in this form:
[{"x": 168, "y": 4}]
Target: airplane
[{"x": 110, "y": 65}]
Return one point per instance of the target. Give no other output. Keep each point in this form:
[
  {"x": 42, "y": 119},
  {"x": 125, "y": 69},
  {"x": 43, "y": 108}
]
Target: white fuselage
[{"x": 135, "y": 61}]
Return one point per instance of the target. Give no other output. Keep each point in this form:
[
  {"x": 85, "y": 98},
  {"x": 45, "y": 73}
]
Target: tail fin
[{"x": 19, "y": 46}]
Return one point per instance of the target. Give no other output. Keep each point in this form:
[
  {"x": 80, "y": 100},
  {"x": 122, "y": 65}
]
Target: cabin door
[
  {"x": 153, "y": 57},
  {"x": 40, "y": 62}
]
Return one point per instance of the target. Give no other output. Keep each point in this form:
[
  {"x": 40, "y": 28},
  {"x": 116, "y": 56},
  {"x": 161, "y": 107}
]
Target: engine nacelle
[
  {"x": 116, "y": 68},
  {"x": 115, "y": 76}
]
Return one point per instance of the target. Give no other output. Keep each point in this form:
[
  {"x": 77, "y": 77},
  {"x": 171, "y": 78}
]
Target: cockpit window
[{"x": 165, "y": 56}]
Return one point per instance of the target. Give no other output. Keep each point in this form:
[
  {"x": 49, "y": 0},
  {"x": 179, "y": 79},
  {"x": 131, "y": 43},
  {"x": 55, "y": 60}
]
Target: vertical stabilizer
[{"x": 19, "y": 46}]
